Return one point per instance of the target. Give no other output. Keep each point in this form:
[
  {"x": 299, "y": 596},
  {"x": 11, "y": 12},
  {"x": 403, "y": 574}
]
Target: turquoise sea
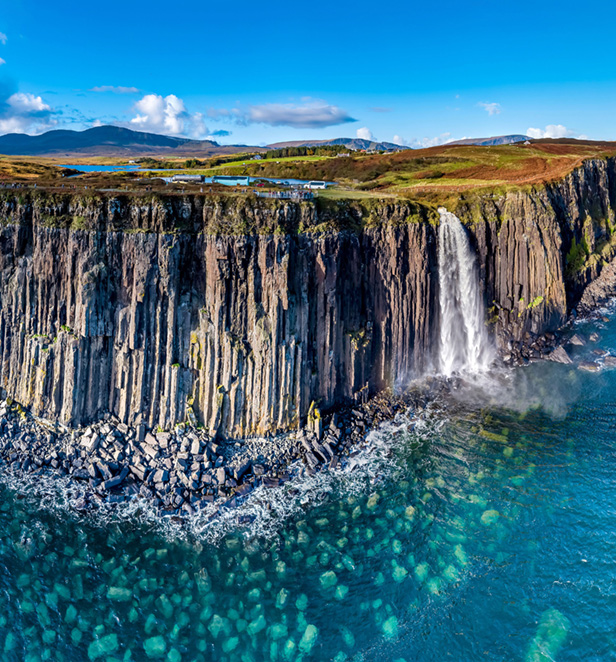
[{"x": 487, "y": 532}]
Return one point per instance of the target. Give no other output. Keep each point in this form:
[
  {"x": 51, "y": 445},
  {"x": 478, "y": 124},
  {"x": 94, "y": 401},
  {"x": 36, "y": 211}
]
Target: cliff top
[
  {"x": 216, "y": 212},
  {"x": 437, "y": 172}
]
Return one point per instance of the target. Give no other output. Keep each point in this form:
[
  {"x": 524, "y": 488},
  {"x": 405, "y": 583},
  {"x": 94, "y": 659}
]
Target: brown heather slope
[
  {"x": 436, "y": 175},
  {"x": 444, "y": 169}
]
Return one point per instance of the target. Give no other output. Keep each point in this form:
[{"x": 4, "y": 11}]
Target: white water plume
[{"x": 464, "y": 343}]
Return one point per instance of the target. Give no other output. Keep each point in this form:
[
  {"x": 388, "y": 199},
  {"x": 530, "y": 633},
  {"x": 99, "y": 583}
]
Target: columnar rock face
[
  {"x": 247, "y": 330},
  {"x": 245, "y": 312},
  {"x": 538, "y": 249}
]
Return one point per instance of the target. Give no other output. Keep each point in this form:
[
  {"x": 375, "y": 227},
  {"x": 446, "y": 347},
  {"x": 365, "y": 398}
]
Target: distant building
[
  {"x": 256, "y": 157},
  {"x": 343, "y": 154},
  {"x": 231, "y": 181},
  {"x": 188, "y": 179}
]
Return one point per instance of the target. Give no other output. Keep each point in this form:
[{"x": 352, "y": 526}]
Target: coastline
[{"x": 183, "y": 471}]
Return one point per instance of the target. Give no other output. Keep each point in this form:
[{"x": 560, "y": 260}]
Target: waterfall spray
[{"x": 464, "y": 343}]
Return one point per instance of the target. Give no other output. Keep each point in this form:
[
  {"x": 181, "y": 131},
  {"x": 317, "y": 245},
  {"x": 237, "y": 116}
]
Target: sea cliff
[{"x": 238, "y": 313}]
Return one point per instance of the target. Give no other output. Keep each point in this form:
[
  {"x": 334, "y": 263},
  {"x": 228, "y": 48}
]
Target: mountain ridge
[
  {"x": 351, "y": 143},
  {"x": 492, "y": 140},
  {"x": 109, "y": 140}
]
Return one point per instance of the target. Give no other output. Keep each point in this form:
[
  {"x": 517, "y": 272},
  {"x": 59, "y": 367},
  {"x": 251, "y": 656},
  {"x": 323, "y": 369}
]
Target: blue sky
[{"x": 256, "y": 73}]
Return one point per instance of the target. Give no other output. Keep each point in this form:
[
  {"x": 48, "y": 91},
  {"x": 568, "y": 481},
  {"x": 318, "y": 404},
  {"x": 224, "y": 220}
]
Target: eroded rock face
[
  {"x": 244, "y": 316},
  {"x": 539, "y": 249},
  {"x": 246, "y": 330}
]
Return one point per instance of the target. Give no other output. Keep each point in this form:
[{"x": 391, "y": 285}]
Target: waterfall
[{"x": 464, "y": 343}]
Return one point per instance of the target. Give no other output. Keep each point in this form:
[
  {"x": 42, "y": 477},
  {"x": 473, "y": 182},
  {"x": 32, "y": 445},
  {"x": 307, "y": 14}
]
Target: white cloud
[
  {"x": 310, "y": 114},
  {"x": 24, "y": 103},
  {"x": 550, "y": 131},
  {"x": 115, "y": 89},
  {"x": 160, "y": 114},
  {"x": 420, "y": 143},
  {"x": 364, "y": 133},
  {"x": 491, "y": 108},
  {"x": 167, "y": 115},
  {"x": 197, "y": 128},
  {"x": 26, "y": 113},
  {"x": 3, "y": 38},
  {"x": 2, "y": 61}
]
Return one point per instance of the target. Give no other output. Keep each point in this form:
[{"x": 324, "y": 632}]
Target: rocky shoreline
[
  {"x": 553, "y": 346},
  {"x": 183, "y": 471}
]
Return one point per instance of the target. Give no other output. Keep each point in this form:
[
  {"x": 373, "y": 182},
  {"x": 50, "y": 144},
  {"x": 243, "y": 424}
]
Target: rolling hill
[
  {"x": 110, "y": 141},
  {"x": 350, "y": 143},
  {"x": 494, "y": 140}
]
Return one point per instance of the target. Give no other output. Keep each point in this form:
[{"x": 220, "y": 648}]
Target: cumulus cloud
[
  {"x": 167, "y": 115},
  {"x": 160, "y": 114},
  {"x": 364, "y": 133},
  {"x": 550, "y": 131},
  {"x": 115, "y": 89},
  {"x": 491, "y": 108},
  {"x": 2, "y": 61},
  {"x": 310, "y": 114},
  {"x": 3, "y": 38},
  {"x": 26, "y": 113},
  {"x": 24, "y": 103},
  {"x": 421, "y": 143}
]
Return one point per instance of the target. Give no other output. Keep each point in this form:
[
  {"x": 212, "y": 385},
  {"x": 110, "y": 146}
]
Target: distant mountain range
[
  {"x": 111, "y": 141},
  {"x": 350, "y": 143},
  {"x": 118, "y": 141},
  {"x": 494, "y": 140}
]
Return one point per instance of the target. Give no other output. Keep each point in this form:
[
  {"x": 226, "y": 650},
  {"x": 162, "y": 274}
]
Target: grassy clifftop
[
  {"x": 372, "y": 189},
  {"x": 436, "y": 173},
  {"x": 220, "y": 213}
]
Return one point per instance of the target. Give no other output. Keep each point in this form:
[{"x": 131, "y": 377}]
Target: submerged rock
[
  {"x": 490, "y": 517},
  {"x": 328, "y": 579},
  {"x": 103, "y": 647},
  {"x": 155, "y": 647},
  {"x": 550, "y": 637},
  {"x": 308, "y": 639},
  {"x": 390, "y": 627}
]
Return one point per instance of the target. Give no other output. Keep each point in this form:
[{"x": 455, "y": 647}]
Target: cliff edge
[{"x": 241, "y": 312}]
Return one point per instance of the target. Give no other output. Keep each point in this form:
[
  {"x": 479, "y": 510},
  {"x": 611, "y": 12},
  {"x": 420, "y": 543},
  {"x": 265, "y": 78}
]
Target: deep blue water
[
  {"x": 207, "y": 180},
  {"x": 487, "y": 533},
  {"x": 103, "y": 168}
]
